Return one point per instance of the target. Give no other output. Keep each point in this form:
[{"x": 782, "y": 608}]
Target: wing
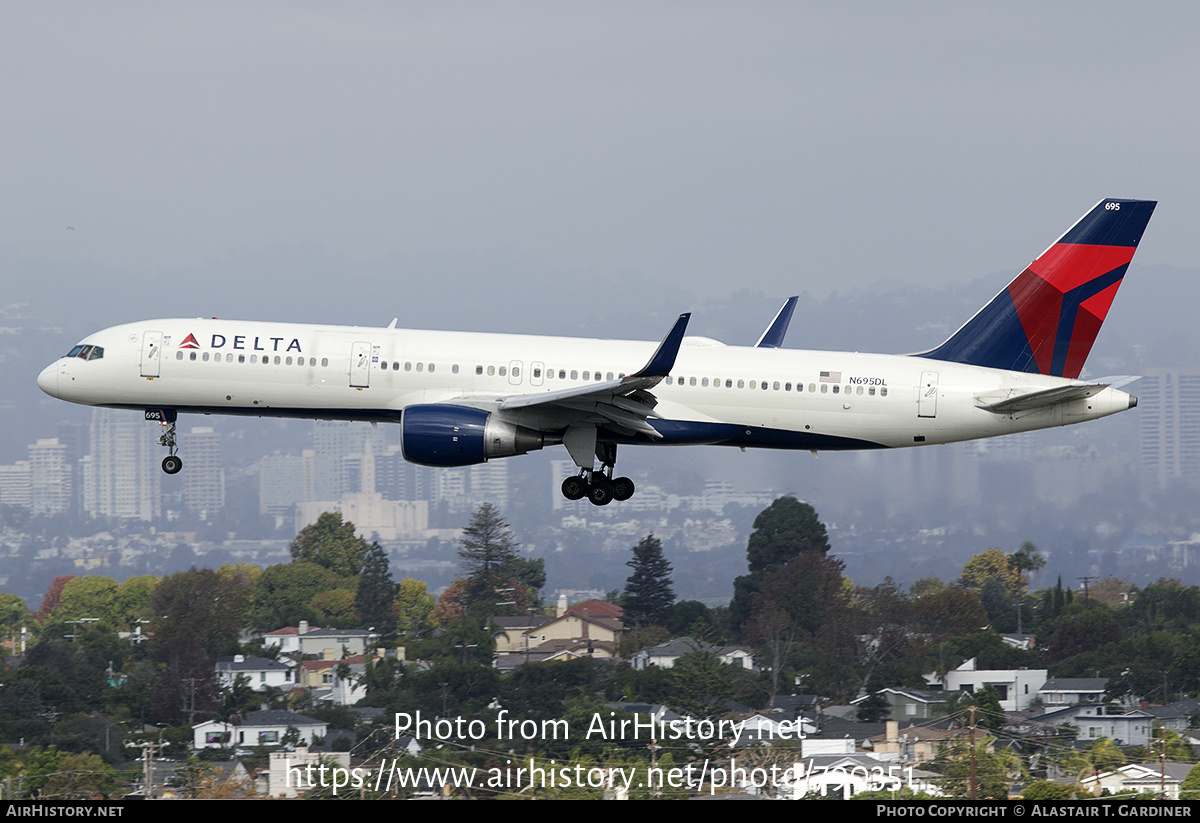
[{"x": 624, "y": 403}]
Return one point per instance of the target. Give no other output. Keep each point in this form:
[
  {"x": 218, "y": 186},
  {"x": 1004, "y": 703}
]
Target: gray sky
[{"x": 518, "y": 165}]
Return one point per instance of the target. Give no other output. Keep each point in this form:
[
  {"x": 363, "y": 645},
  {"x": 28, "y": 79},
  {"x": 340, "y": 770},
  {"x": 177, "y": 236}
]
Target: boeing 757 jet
[{"x": 466, "y": 398}]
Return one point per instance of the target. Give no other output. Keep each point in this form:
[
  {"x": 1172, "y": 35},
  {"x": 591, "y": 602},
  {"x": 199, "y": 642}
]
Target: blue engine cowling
[{"x": 444, "y": 435}]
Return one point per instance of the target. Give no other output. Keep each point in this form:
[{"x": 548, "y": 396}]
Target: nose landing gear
[{"x": 172, "y": 463}]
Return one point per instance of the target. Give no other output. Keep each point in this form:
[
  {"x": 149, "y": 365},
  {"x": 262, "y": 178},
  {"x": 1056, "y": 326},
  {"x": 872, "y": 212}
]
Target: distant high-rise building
[
  {"x": 1169, "y": 409},
  {"x": 489, "y": 483},
  {"x": 123, "y": 475},
  {"x": 16, "y": 484},
  {"x": 50, "y": 477},
  {"x": 204, "y": 479},
  {"x": 280, "y": 483}
]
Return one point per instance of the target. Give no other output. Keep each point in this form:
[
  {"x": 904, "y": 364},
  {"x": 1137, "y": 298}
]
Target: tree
[
  {"x": 375, "y": 597},
  {"x": 648, "y": 592},
  {"x": 413, "y": 607},
  {"x": 784, "y": 530},
  {"x": 488, "y": 552},
  {"x": 331, "y": 543}
]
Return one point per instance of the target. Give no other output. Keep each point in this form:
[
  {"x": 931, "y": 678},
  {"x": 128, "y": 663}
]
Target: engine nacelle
[{"x": 444, "y": 435}]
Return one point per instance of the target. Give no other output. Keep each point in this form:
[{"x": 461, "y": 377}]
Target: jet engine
[{"x": 445, "y": 435}]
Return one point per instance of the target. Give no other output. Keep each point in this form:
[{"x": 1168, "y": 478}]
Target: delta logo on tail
[
  {"x": 189, "y": 342},
  {"x": 1046, "y": 320}
]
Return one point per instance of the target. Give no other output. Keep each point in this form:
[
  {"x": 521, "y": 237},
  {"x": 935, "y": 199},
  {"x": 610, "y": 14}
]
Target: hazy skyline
[{"x": 514, "y": 166}]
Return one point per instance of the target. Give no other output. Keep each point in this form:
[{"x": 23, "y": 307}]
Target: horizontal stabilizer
[{"x": 1042, "y": 398}]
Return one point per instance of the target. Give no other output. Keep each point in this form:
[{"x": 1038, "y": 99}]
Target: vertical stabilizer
[{"x": 1048, "y": 317}]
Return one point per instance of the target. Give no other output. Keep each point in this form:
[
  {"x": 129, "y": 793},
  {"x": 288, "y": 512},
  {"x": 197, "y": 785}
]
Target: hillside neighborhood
[{"x": 326, "y": 677}]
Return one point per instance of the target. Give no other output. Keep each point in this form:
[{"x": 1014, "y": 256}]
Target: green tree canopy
[
  {"x": 331, "y": 543},
  {"x": 783, "y": 530},
  {"x": 648, "y": 592},
  {"x": 488, "y": 553},
  {"x": 374, "y": 599}
]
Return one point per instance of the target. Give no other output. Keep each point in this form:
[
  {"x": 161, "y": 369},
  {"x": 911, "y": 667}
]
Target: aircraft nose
[{"x": 48, "y": 380}]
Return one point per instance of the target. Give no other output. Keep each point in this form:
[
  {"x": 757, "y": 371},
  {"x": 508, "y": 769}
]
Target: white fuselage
[{"x": 752, "y": 397}]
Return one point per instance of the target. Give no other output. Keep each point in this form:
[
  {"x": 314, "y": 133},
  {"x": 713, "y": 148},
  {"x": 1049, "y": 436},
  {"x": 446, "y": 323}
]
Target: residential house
[
  {"x": 664, "y": 655},
  {"x": 1060, "y": 692},
  {"x": 1017, "y": 688},
  {"x": 267, "y": 728},
  {"x": 914, "y": 744},
  {"x": 315, "y": 641},
  {"x": 260, "y": 672},
  {"x": 910, "y": 704},
  {"x": 1136, "y": 778}
]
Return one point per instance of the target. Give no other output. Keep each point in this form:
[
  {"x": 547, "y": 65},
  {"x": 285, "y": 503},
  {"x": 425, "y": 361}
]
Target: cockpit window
[{"x": 87, "y": 352}]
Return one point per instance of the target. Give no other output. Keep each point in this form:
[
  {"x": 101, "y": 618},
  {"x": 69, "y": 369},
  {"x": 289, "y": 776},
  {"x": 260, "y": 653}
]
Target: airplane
[{"x": 466, "y": 398}]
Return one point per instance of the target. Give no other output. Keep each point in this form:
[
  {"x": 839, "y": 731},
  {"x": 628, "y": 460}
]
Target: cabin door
[
  {"x": 360, "y": 365},
  {"x": 927, "y": 401},
  {"x": 151, "y": 353}
]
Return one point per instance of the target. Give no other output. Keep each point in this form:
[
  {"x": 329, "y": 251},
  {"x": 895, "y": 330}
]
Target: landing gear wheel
[
  {"x": 600, "y": 492},
  {"x": 623, "y": 488},
  {"x": 574, "y": 488},
  {"x": 171, "y": 464}
]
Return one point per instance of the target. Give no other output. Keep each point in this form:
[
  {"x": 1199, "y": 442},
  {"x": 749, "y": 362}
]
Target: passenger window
[
  {"x": 859, "y": 392},
  {"x": 883, "y": 391},
  {"x": 587, "y": 375},
  {"x": 562, "y": 374},
  {"x": 491, "y": 370},
  {"x": 704, "y": 381},
  {"x": 503, "y": 371},
  {"x": 383, "y": 365},
  {"x": 775, "y": 386},
  {"x": 728, "y": 383},
  {"x": 836, "y": 389},
  {"x": 537, "y": 373},
  {"x": 432, "y": 366},
  {"x": 288, "y": 361},
  {"x": 254, "y": 358},
  {"x": 597, "y": 377},
  {"x": 691, "y": 381},
  {"x": 277, "y": 360},
  {"x": 479, "y": 369},
  {"x": 608, "y": 376},
  {"x": 516, "y": 371},
  {"x": 824, "y": 388},
  {"x": 241, "y": 358},
  {"x": 178, "y": 355},
  {"x": 812, "y": 386},
  {"x": 787, "y": 386},
  {"x": 454, "y": 369},
  {"x": 420, "y": 367},
  {"x": 204, "y": 357},
  {"x": 408, "y": 365},
  {"x": 871, "y": 391},
  {"x": 574, "y": 374},
  {"x": 324, "y": 361},
  {"x": 192, "y": 355}
]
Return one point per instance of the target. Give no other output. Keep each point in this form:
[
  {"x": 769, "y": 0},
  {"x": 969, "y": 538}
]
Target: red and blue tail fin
[{"x": 1048, "y": 318}]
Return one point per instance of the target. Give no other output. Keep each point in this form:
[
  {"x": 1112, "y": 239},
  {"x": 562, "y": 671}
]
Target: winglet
[
  {"x": 772, "y": 338},
  {"x": 663, "y": 361}
]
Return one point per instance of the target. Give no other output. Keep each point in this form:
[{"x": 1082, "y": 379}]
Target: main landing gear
[
  {"x": 172, "y": 463},
  {"x": 599, "y": 485}
]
